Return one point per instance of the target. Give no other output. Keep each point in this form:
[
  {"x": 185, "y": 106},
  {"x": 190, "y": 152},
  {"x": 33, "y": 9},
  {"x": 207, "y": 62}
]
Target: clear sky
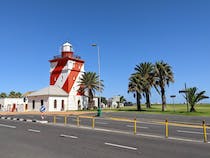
[{"x": 128, "y": 32}]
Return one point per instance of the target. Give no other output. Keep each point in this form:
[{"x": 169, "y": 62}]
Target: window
[
  {"x": 33, "y": 104},
  {"x": 42, "y": 102},
  {"x": 55, "y": 104},
  {"x": 62, "y": 105}
]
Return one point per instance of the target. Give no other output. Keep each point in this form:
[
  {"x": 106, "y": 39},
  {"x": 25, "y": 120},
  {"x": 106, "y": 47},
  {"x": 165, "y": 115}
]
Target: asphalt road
[
  {"x": 144, "y": 125},
  {"x": 35, "y": 140}
]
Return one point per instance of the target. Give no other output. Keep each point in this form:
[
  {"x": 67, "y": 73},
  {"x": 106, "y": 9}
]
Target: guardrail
[
  {"x": 134, "y": 121},
  {"x": 166, "y": 124}
]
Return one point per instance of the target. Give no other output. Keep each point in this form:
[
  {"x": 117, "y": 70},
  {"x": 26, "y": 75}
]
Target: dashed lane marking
[
  {"x": 8, "y": 126},
  {"x": 121, "y": 146},
  {"x": 191, "y": 132},
  {"x": 34, "y": 130},
  {"x": 68, "y": 136}
]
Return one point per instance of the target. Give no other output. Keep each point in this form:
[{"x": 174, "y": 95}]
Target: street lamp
[{"x": 99, "y": 76}]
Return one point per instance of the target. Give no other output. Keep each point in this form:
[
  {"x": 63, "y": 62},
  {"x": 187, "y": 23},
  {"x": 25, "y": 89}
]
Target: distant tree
[
  {"x": 122, "y": 99},
  {"x": 103, "y": 100},
  {"x": 3, "y": 95},
  {"x": 14, "y": 94},
  {"x": 193, "y": 97},
  {"x": 18, "y": 95},
  {"x": 163, "y": 76}
]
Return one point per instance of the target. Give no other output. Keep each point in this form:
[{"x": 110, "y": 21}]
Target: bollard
[
  {"x": 134, "y": 127},
  {"x": 93, "y": 122},
  {"x": 65, "y": 119},
  {"x": 54, "y": 119},
  {"x": 204, "y": 132},
  {"x": 166, "y": 128},
  {"x": 77, "y": 121}
]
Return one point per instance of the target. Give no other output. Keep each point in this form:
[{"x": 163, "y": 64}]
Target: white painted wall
[
  {"x": 59, "y": 103},
  {"x": 7, "y": 104},
  {"x": 48, "y": 102}
]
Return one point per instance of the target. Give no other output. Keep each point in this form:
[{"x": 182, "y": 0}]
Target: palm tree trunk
[
  {"x": 148, "y": 100},
  {"x": 163, "y": 97},
  {"x": 138, "y": 97},
  {"x": 90, "y": 99},
  {"x": 192, "y": 109}
]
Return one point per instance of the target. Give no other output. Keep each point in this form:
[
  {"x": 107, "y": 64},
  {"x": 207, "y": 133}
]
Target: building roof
[{"x": 49, "y": 91}]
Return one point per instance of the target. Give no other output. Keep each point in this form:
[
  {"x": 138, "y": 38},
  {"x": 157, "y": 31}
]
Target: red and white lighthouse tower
[{"x": 65, "y": 72}]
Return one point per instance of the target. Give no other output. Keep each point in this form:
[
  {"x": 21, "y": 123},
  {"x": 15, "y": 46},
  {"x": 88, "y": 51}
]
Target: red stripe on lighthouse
[
  {"x": 57, "y": 71},
  {"x": 72, "y": 77}
]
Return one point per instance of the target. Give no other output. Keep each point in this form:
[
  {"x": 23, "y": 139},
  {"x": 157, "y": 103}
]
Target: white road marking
[
  {"x": 33, "y": 130},
  {"x": 8, "y": 126},
  {"x": 190, "y": 132},
  {"x": 68, "y": 136},
  {"x": 102, "y": 123},
  {"x": 186, "y": 140},
  {"x": 121, "y": 146},
  {"x": 137, "y": 126}
]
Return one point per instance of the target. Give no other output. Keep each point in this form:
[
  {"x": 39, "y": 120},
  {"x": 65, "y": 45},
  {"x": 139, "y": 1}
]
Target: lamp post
[
  {"x": 173, "y": 96},
  {"x": 99, "y": 76}
]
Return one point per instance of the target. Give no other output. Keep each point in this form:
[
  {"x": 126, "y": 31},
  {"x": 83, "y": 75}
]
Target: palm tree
[
  {"x": 89, "y": 82},
  {"x": 135, "y": 87},
  {"x": 193, "y": 97},
  {"x": 146, "y": 71},
  {"x": 163, "y": 76}
]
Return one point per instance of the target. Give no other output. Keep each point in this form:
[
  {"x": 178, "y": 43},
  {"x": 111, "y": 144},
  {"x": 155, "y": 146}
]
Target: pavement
[
  {"x": 33, "y": 140},
  {"x": 47, "y": 113}
]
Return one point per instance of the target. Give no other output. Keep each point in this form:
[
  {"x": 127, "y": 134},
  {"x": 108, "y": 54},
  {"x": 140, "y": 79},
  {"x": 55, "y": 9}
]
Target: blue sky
[{"x": 128, "y": 32}]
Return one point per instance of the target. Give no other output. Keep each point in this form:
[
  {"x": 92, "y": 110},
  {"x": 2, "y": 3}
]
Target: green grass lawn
[{"x": 177, "y": 109}]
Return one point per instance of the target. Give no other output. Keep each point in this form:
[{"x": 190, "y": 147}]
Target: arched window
[
  {"x": 62, "y": 105},
  {"x": 55, "y": 104},
  {"x": 42, "y": 102},
  {"x": 33, "y": 104}
]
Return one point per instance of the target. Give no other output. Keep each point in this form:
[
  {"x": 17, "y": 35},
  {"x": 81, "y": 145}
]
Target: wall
[{"x": 7, "y": 104}]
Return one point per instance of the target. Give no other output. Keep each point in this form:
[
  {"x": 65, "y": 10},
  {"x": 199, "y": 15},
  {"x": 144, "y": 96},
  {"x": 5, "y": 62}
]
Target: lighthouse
[
  {"x": 62, "y": 94},
  {"x": 65, "y": 72}
]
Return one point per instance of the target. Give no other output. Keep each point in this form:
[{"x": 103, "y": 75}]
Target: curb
[{"x": 21, "y": 119}]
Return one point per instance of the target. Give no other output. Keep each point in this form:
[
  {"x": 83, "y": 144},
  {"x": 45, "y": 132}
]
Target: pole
[
  {"x": 186, "y": 95},
  {"x": 77, "y": 121},
  {"x": 174, "y": 104},
  {"x": 65, "y": 119},
  {"x": 93, "y": 122},
  {"x": 166, "y": 128},
  {"x": 99, "y": 76},
  {"x": 54, "y": 119},
  {"x": 204, "y": 132},
  {"x": 134, "y": 126}
]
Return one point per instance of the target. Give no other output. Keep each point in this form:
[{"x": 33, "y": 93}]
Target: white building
[
  {"x": 12, "y": 104},
  {"x": 62, "y": 94}
]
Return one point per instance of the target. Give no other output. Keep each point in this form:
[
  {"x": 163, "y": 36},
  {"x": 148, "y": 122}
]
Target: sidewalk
[{"x": 48, "y": 113}]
